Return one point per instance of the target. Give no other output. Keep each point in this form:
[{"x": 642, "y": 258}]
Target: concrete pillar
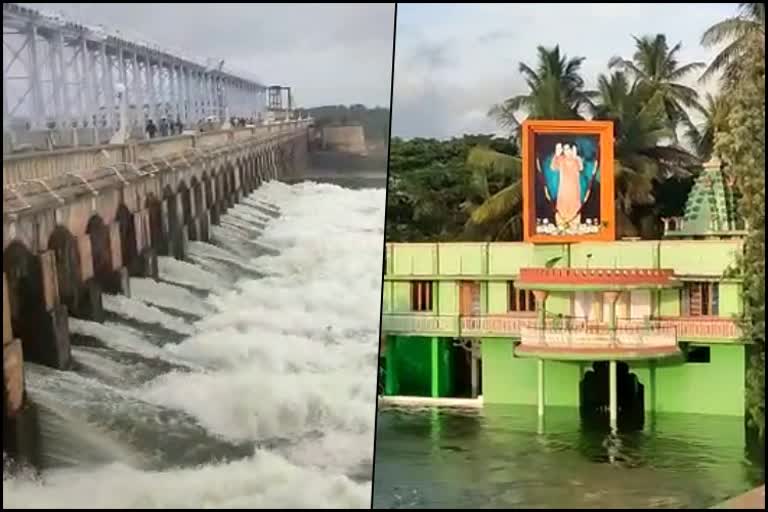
[
  {"x": 475, "y": 369},
  {"x": 194, "y": 229},
  {"x": 435, "y": 388},
  {"x": 613, "y": 405},
  {"x": 540, "y": 388},
  {"x": 205, "y": 226},
  {"x": 21, "y": 437},
  {"x": 541, "y": 307},
  {"x": 163, "y": 246},
  {"x": 390, "y": 375},
  {"x": 56, "y": 351},
  {"x": 611, "y": 298},
  {"x": 124, "y": 281},
  {"x": 89, "y": 303},
  {"x": 148, "y": 264},
  {"x": 216, "y": 212},
  {"x": 13, "y": 363},
  {"x": 182, "y": 239}
]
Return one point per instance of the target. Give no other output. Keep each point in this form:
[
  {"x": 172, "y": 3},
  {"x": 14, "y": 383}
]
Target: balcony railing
[
  {"x": 683, "y": 328},
  {"x": 494, "y": 325},
  {"x": 600, "y": 337},
  {"x": 421, "y": 324}
]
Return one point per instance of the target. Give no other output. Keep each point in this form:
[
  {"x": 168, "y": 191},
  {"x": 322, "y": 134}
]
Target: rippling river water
[{"x": 497, "y": 458}]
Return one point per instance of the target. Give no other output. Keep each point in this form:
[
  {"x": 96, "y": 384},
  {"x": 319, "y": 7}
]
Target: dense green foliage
[
  {"x": 741, "y": 145},
  {"x": 432, "y": 190},
  {"x": 375, "y": 121}
]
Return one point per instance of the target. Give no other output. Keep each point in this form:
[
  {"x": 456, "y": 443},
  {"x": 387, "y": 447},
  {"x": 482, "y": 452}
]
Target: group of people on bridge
[{"x": 166, "y": 127}]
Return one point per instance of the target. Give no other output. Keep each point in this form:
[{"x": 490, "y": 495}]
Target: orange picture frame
[{"x": 603, "y": 130}]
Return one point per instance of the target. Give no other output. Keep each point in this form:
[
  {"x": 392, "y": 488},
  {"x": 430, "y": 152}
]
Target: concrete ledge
[
  {"x": 423, "y": 401},
  {"x": 754, "y": 499}
]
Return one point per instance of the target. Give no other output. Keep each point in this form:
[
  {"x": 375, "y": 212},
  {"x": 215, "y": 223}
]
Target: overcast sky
[
  {"x": 328, "y": 53},
  {"x": 452, "y": 62}
]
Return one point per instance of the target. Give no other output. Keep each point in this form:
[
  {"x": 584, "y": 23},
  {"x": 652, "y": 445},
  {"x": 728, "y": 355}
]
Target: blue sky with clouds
[{"x": 453, "y": 61}]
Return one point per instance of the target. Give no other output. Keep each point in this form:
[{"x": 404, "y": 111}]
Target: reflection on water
[{"x": 495, "y": 457}]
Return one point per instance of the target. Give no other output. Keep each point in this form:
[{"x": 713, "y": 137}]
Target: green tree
[
  {"x": 740, "y": 34},
  {"x": 741, "y": 147},
  {"x": 657, "y": 71},
  {"x": 432, "y": 189},
  {"x": 643, "y": 160},
  {"x": 555, "y": 90},
  {"x": 715, "y": 110}
]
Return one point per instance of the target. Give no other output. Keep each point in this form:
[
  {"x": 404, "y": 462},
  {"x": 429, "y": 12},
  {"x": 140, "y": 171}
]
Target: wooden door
[{"x": 469, "y": 298}]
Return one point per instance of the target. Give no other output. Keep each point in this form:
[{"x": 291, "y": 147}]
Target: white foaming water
[
  {"x": 168, "y": 296},
  {"x": 122, "y": 338},
  {"x": 137, "y": 310},
  {"x": 291, "y": 356},
  {"x": 189, "y": 274}
]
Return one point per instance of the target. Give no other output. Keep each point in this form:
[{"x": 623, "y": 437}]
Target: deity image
[{"x": 567, "y": 184}]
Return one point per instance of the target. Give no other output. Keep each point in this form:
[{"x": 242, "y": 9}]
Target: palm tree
[
  {"x": 656, "y": 70},
  {"x": 741, "y": 33},
  {"x": 642, "y": 160},
  {"x": 555, "y": 90},
  {"x": 715, "y": 111},
  {"x": 498, "y": 216}
]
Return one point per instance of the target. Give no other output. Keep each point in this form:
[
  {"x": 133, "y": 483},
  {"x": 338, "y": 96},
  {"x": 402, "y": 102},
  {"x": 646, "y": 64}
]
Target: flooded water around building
[
  {"x": 502, "y": 457},
  {"x": 245, "y": 378}
]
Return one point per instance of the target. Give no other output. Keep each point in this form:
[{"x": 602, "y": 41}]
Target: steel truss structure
[{"x": 60, "y": 74}]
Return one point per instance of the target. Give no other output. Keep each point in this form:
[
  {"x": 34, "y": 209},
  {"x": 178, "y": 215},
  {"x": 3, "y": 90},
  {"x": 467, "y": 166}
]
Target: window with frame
[
  {"x": 700, "y": 299},
  {"x": 519, "y": 301},
  {"x": 421, "y": 295}
]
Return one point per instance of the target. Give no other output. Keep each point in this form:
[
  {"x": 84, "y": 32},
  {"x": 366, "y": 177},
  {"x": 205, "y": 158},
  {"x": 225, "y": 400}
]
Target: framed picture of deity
[{"x": 568, "y": 190}]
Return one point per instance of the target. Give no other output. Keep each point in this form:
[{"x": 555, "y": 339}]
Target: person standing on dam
[{"x": 151, "y": 129}]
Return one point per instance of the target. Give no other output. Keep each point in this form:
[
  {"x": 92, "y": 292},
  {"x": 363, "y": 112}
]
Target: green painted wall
[
  {"x": 699, "y": 257},
  {"x": 462, "y": 258},
  {"x": 412, "y": 364},
  {"x": 386, "y": 297},
  {"x": 686, "y": 257},
  {"x": 559, "y": 303},
  {"x": 414, "y": 259},
  {"x": 442, "y": 367},
  {"x": 639, "y": 254},
  {"x": 497, "y": 298},
  {"x": 716, "y": 387},
  {"x": 507, "y": 258},
  {"x": 730, "y": 299},
  {"x": 447, "y": 297},
  {"x": 669, "y": 302},
  {"x": 514, "y": 380},
  {"x": 401, "y": 297},
  {"x": 410, "y": 361},
  {"x": 701, "y": 388}
]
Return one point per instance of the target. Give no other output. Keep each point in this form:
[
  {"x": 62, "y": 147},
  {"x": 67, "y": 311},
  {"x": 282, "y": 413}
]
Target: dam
[{"x": 187, "y": 319}]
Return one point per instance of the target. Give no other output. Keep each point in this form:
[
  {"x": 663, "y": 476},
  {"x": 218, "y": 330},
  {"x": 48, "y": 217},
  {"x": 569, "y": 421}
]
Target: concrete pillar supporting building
[
  {"x": 475, "y": 368},
  {"x": 390, "y": 372},
  {"x": 435, "y": 352},
  {"x": 540, "y": 387},
  {"x": 613, "y": 406},
  {"x": 541, "y": 307}
]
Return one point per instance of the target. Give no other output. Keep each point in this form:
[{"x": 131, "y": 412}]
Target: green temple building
[{"x": 616, "y": 326}]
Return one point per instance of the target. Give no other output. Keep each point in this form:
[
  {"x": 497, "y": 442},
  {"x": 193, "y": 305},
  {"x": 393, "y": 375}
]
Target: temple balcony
[{"x": 576, "y": 340}]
